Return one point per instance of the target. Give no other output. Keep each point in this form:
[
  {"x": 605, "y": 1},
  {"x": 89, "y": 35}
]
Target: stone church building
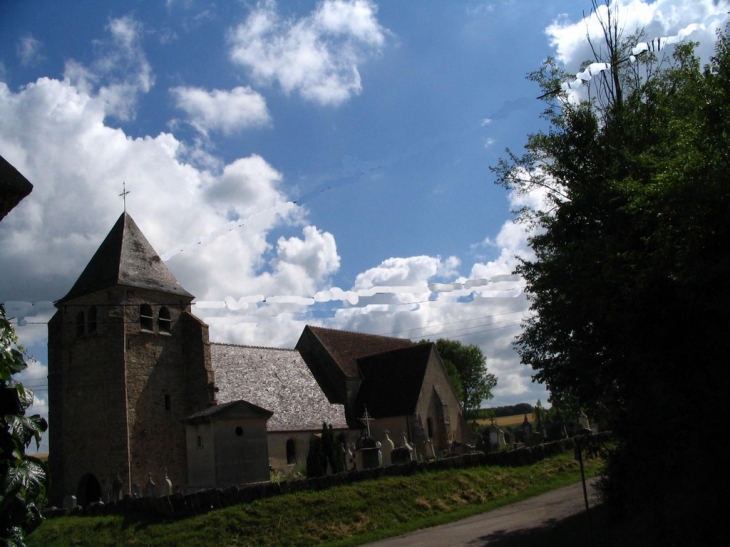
[{"x": 141, "y": 403}]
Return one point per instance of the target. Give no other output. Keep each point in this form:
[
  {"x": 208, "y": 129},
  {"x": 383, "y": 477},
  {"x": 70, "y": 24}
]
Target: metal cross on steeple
[{"x": 123, "y": 195}]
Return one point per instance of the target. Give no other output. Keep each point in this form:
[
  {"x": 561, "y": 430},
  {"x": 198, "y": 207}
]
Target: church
[{"x": 142, "y": 403}]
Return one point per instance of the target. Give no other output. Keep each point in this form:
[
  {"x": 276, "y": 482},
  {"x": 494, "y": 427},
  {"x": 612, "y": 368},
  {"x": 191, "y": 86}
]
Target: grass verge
[{"x": 339, "y": 517}]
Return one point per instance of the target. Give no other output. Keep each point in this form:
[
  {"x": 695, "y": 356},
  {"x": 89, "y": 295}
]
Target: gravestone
[
  {"x": 151, "y": 488},
  {"x": 350, "y": 459},
  {"x": 166, "y": 486},
  {"x": 404, "y": 453},
  {"x": 117, "y": 488},
  {"x": 430, "y": 450},
  {"x": 388, "y": 446},
  {"x": 368, "y": 450},
  {"x": 69, "y": 502}
]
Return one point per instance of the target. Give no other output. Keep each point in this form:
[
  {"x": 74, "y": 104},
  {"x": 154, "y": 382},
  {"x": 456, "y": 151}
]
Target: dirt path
[{"x": 557, "y": 515}]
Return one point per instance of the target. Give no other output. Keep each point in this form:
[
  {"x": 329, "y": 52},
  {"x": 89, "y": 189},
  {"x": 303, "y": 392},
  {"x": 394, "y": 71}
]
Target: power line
[{"x": 451, "y": 323}]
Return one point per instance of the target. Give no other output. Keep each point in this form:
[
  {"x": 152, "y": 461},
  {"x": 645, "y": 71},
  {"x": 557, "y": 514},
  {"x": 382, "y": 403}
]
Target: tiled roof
[
  {"x": 392, "y": 381},
  {"x": 238, "y": 408},
  {"x": 346, "y": 347},
  {"x": 13, "y": 187},
  {"x": 125, "y": 257},
  {"x": 277, "y": 380}
]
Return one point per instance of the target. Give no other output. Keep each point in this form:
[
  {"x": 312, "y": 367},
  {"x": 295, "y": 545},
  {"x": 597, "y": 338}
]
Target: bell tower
[{"x": 127, "y": 362}]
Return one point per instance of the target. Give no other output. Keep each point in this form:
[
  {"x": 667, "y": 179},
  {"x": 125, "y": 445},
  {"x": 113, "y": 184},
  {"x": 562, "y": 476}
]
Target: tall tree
[
  {"x": 470, "y": 368},
  {"x": 629, "y": 288},
  {"x": 23, "y": 478}
]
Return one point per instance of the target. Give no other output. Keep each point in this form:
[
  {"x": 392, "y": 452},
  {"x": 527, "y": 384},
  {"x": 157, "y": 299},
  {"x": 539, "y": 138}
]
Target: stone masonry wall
[
  {"x": 87, "y": 414},
  {"x": 158, "y": 366}
]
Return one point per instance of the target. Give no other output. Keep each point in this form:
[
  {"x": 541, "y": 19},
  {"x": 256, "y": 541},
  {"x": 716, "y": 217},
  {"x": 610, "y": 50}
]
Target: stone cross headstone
[{"x": 367, "y": 418}]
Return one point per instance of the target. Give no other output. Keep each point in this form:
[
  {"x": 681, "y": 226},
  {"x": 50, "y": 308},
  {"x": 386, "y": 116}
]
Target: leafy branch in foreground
[{"x": 24, "y": 478}]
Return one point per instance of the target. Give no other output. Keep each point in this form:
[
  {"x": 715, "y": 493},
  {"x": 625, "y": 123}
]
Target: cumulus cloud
[
  {"x": 484, "y": 308},
  {"x": 659, "y": 18},
  {"x": 220, "y": 110},
  {"x": 412, "y": 271},
  {"x": 57, "y": 137},
  {"x": 316, "y": 56}
]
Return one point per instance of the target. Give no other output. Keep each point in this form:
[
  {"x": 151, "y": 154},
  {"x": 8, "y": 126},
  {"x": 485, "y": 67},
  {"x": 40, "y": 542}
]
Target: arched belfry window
[
  {"x": 92, "y": 320},
  {"x": 80, "y": 324},
  {"x": 145, "y": 317},
  {"x": 165, "y": 321}
]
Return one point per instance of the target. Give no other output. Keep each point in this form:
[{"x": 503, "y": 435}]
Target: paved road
[{"x": 523, "y": 523}]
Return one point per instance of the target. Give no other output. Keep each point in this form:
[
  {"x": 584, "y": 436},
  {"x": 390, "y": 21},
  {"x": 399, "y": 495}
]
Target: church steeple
[
  {"x": 127, "y": 363},
  {"x": 125, "y": 258}
]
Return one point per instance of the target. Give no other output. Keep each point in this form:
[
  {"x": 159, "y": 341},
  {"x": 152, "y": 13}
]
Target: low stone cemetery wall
[{"x": 180, "y": 506}]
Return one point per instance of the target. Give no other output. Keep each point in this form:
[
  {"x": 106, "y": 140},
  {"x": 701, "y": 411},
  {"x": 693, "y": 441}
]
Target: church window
[
  {"x": 291, "y": 452},
  {"x": 429, "y": 423},
  {"x": 200, "y": 441},
  {"x": 145, "y": 317},
  {"x": 80, "y": 324},
  {"x": 164, "y": 319},
  {"x": 92, "y": 320},
  {"x": 168, "y": 402},
  {"x": 239, "y": 431}
]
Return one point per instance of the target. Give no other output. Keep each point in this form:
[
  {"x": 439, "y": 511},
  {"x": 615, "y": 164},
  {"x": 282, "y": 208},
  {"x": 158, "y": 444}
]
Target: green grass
[{"x": 342, "y": 516}]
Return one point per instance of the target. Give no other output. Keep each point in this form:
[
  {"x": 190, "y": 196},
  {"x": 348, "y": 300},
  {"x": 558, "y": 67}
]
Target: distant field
[{"x": 515, "y": 419}]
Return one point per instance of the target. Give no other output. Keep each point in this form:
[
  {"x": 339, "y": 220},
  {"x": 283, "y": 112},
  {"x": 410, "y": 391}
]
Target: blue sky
[{"x": 301, "y": 162}]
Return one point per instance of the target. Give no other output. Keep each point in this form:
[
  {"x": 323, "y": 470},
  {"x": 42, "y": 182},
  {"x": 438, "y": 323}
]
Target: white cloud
[
  {"x": 29, "y": 50},
  {"x": 313, "y": 258},
  {"x": 121, "y": 63},
  {"x": 410, "y": 271},
  {"x": 316, "y": 56},
  {"x": 659, "y": 18},
  {"x": 487, "y": 315},
  {"x": 57, "y": 137},
  {"x": 220, "y": 110}
]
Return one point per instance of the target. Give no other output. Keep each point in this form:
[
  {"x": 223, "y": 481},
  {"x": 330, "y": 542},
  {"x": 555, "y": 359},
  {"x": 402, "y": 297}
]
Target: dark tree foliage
[
  {"x": 325, "y": 450},
  {"x": 629, "y": 286},
  {"x": 511, "y": 410},
  {"x": 467, "y": 368},
  {"x": 24, "y": 478}
]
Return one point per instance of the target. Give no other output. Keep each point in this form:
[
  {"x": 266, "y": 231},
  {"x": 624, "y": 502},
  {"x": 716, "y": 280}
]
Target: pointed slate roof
[{"x": 125, "y": 258}]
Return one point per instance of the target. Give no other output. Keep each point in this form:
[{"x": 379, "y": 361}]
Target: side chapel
[{"x": 142, "y": 403}]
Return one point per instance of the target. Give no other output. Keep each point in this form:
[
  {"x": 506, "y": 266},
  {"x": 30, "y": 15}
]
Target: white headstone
[{"x": 69, "y": 501}]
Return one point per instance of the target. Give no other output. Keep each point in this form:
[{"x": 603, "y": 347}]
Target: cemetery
[{"x": 159, "y": 501}]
